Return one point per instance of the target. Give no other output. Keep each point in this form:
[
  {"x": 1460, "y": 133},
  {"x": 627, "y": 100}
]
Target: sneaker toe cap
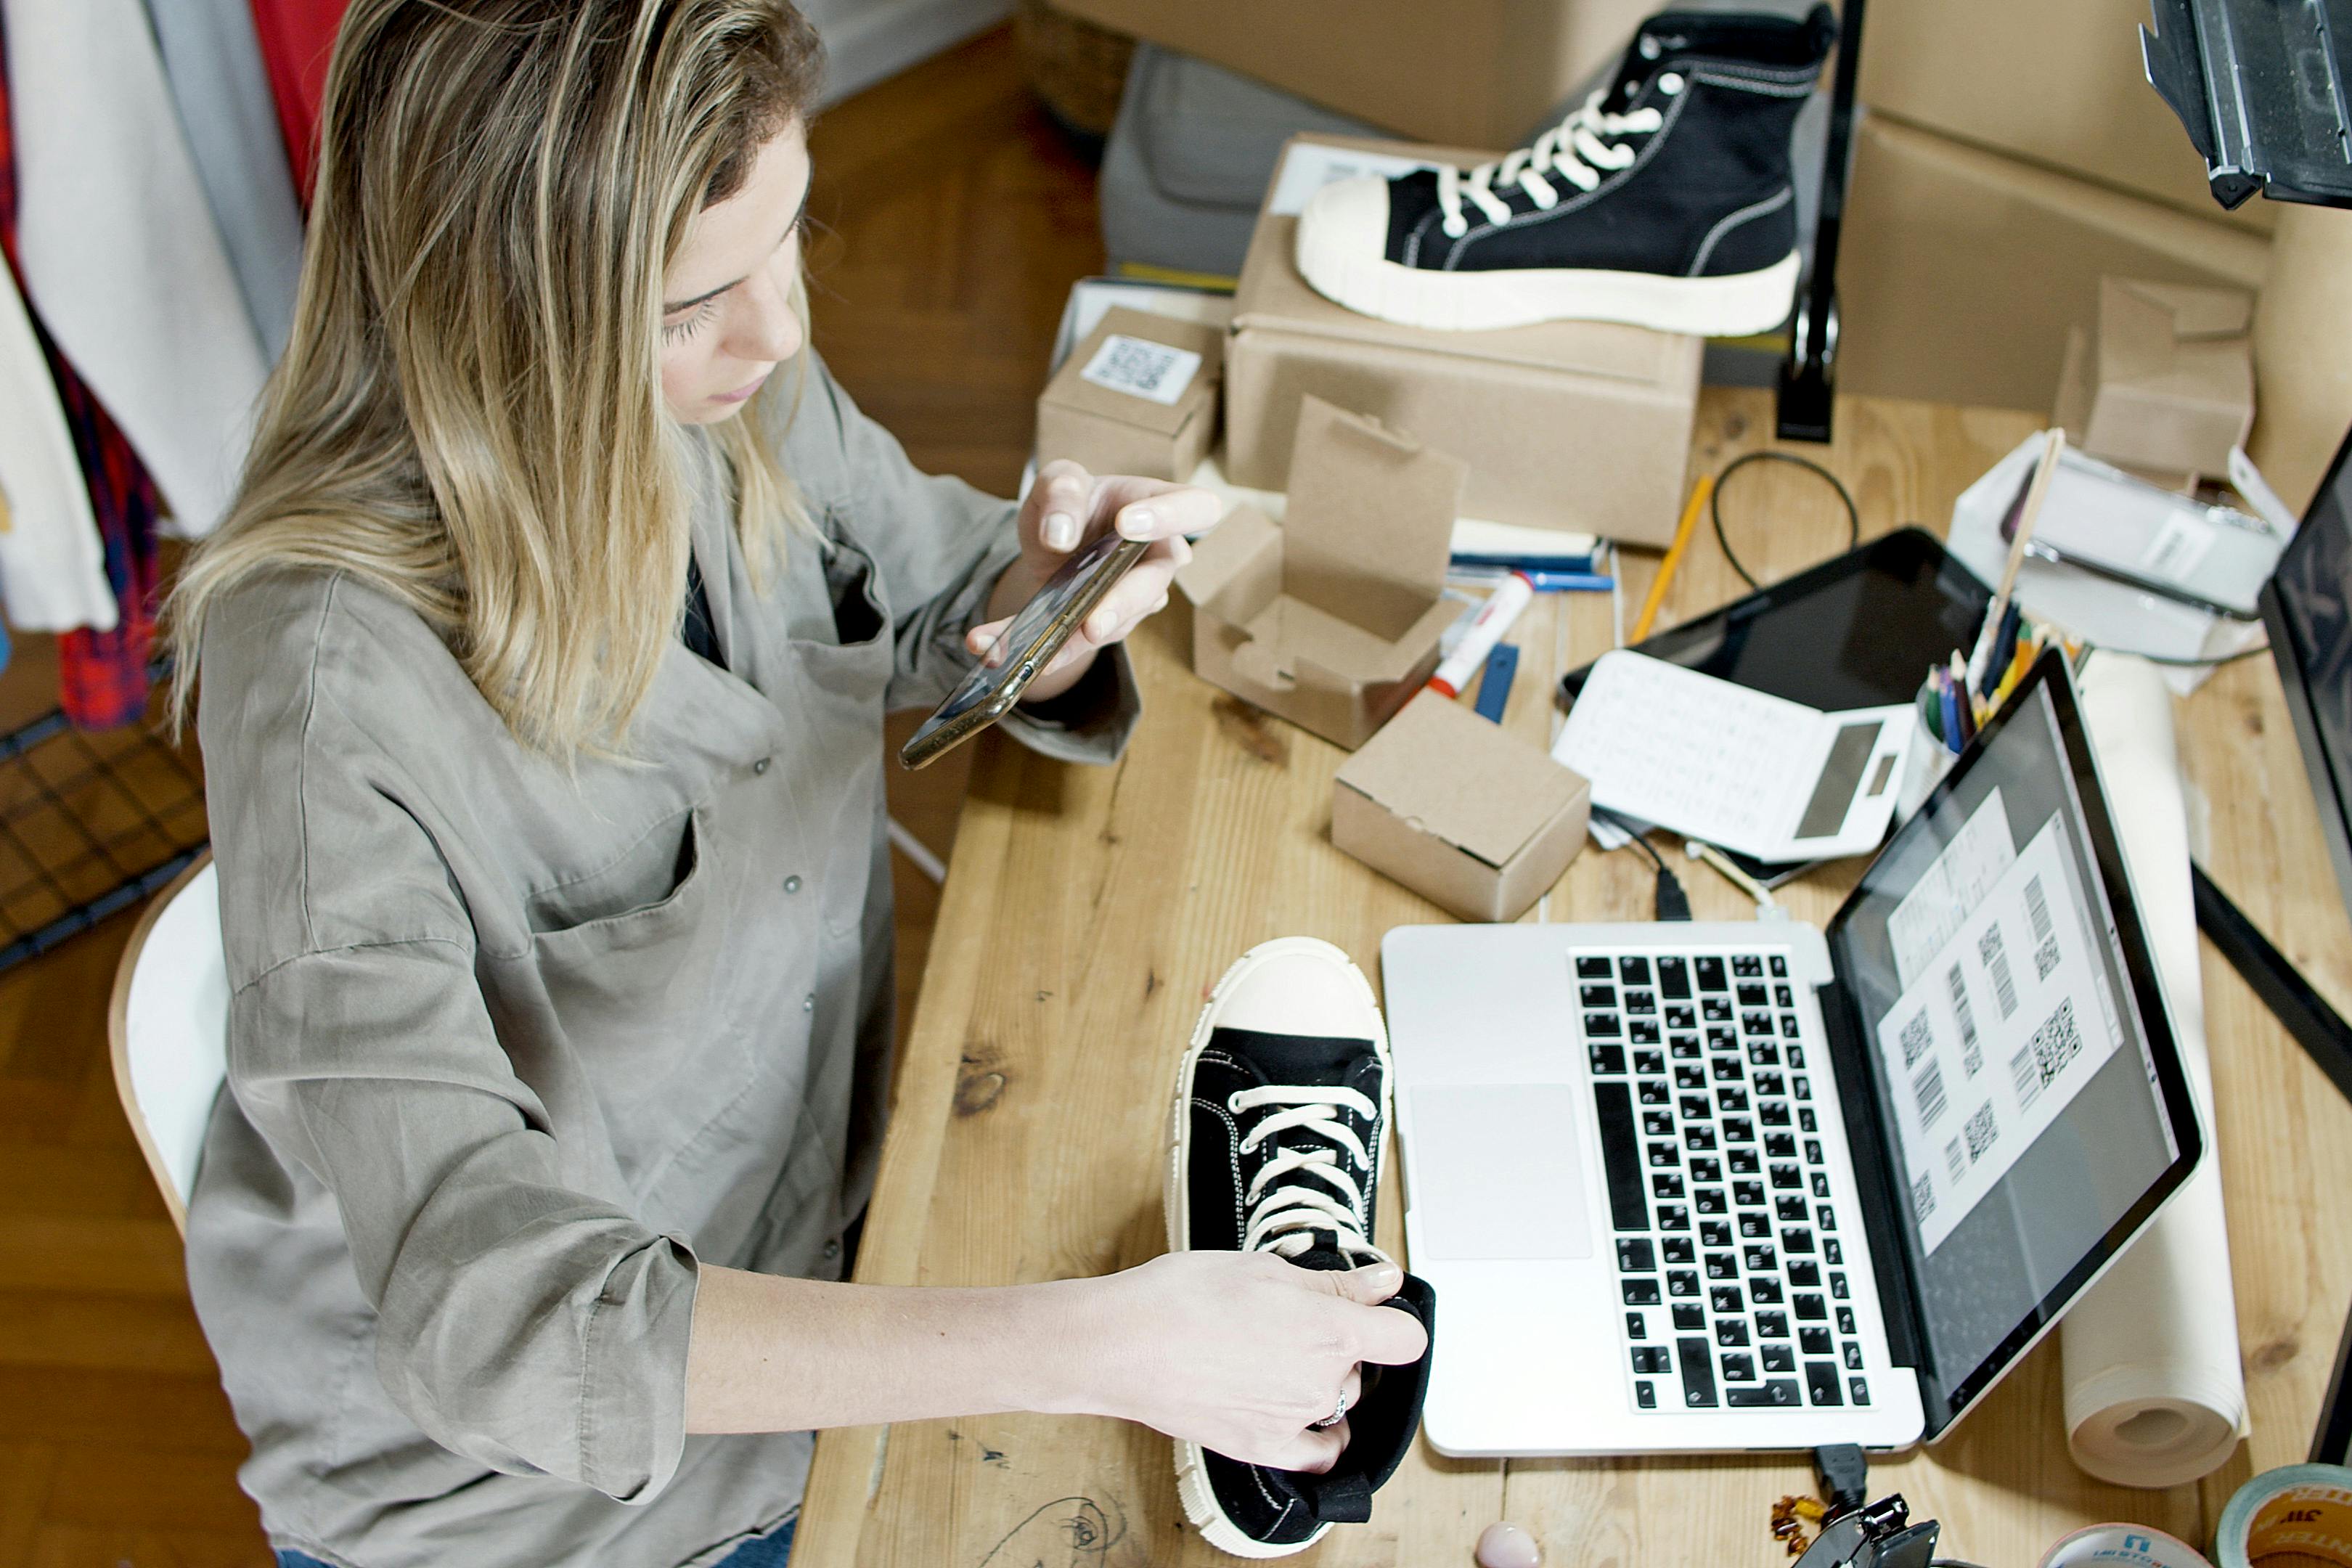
[
  {"x": 1351, "y": 214},
  {"x": 1301, "y": 987}
]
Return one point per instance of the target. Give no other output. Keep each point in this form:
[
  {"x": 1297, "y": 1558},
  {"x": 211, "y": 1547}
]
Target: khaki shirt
[{"x": 510, "y": 1050}]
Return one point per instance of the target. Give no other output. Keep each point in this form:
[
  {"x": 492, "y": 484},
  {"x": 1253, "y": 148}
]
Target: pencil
[
  {"x": 2054, "y": 442},
  {"x": 1682, "y": 530}
]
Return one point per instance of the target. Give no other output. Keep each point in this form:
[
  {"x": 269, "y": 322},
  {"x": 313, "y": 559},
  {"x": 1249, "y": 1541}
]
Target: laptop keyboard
[{"x": 1730, "y": 1255}]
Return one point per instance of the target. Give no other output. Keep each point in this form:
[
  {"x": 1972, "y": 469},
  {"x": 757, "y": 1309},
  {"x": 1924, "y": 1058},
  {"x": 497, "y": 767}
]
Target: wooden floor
[{"x": 951, "y": 222}]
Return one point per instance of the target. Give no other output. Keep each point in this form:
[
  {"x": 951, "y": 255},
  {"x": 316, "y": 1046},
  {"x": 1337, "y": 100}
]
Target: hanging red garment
[
  {"x": 101, "y": 676},
  {"x": 297, "y": 36}
]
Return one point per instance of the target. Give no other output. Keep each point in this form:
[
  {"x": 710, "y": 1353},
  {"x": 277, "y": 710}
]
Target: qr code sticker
[
  {"x": 1142, "y": 368},
  {"x": 1923, "y": 1199},
  {"x": 1971, "y": 1052},
  {"x": 1955, "y": 1159},
  {"x": 2056, "y": 1043},
  {"x": 1930, "y": 1087},
  {"x": 1980, "y": 1131},
  {"x": 1916, "y": 1037},
  {"x": 1996, "y": 963}
]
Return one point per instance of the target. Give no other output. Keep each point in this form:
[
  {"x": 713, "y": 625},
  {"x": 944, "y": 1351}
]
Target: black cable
[
  {"x": 1714, "y": 502},
  {"x": 1671, "y": 902},
  {"x": 2185, "y": 663}
]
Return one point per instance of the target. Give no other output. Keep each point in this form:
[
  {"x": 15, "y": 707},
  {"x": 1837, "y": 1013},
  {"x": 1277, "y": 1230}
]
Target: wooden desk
[{"x": 1088, "y": 911}]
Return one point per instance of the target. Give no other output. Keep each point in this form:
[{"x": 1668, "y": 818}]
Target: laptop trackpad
[{"x": 1497, "y": 1173}]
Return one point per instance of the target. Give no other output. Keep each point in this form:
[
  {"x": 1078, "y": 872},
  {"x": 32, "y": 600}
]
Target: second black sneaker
[
  {"x": 1666, "y": 200},
  {"x": 1281, "y": 1104}
]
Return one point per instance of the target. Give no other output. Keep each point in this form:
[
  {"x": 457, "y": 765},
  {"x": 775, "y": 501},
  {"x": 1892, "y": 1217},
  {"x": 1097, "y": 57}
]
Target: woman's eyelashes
[{"x": 679, "y": 331}]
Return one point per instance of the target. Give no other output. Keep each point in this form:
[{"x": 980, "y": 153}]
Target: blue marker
[{"x": 1495, "y": 686}]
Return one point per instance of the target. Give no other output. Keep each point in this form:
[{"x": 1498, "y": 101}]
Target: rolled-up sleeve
[
  {"x": 939, "y": 546},
  {"x": 520, "y": 1322}
]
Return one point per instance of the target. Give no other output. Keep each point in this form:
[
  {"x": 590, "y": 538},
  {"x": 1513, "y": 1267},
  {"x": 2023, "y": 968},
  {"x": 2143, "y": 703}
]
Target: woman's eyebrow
[{"x": 670, "y": 309}]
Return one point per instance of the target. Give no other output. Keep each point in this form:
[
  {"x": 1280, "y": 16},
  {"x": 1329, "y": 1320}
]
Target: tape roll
[
  {"x": 2296, "y": 1517},
  {"x": 2122, "y": 1546}
]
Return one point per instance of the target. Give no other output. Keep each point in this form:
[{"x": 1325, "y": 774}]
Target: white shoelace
[
  {"x": 1574, "y": 149},
  {"x": 1283, "y": 1215}
]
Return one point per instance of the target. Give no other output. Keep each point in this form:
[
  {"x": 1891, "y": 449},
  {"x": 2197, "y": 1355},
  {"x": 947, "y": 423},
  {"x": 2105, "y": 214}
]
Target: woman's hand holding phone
[{"x": 1063, "y": 509}]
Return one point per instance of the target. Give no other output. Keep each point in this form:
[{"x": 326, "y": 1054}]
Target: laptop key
[
  {"x": 1641, "y": 1292},
  {"x": 1812, "y": 1151},
  {"x": 1764, "y": 1290},
  {"x": 1710, "y": 1201},
  {"x": 1677, "y": 1249},
  {"x": 1722, "y": 1037},
  {"x": 1687, "y": 1075},
  {"x": 1642, "y": 1031},
  {"x": 1637, "y": 1325},
  {"x": 1664, "y": 1154},
  {"x": 1636, "y": 1254},
  {"x": 1754, "y": 996},
  {"x": 1859, "y": 1389},
  {"x": 1837, "y": 1287},
  {"x": 1801, "y": 1087},
  {"x": 1657, "y": 1124},
  {"x": 1813, "y": 1342},
  {"x": 1651, "y": 1063},
  {"x": 1787, "y": 1177},
  {"x": 1674, "y": 978},
  {"x": 1633, "y": 971},
  {"x": 1780, "y": 1145},
  {"x": 1783, "y": 997},
  {"x": 1674, "y": 1216},
  {"x": 1597, "y": 995},
  {"x": 1760, "y": 1259},
  {"x": 1822, "y": 1383},
  {"x": 1805, "y": 1122},
  {"x": 1791, "y": 1211},
  {"x": 1589, "y": 968},
  {"x": 1608, "y": 1061},
  {"x": 1722, "y": 1266},
  {"x": 1683, "y": 1046},
  {"x": 1779, "y": 1394},
  {"x": 1805, "y": 1275},
  {"x": 1681, "y": 1282},
  {"x": 1772, "y": 1325},
  {"x": 1602, "y": 1026},
  {"x": 1852, "y": 1355},
  {"x": 1779, "y": 1358},
  {"x": 1707, "y": 1168},
  {"x": 1831, "y": 1252},
  {"x": 1689, "y": 1317},
  {"x": 1683, "y": 1017},
  {"x": 1695, "y": 1108},
  {"x": 1621, "y": 1156},
  {"x": 1700, "y": 1137},
  {"x": 1666, "y": 1184},
  {"x": 1796, "y": 1238},
  {"x": 1651, "y": 1359},
  {"x": 1780, "y": 965},
  {"x": 1763, "y": 1054},
  {"x": 1821, "y": 1183},
  {"x": 1738, "y": 1130},
  {"x": 1731, "y": 1331},
  {"x": 1714, "y": 1232},
  {"x": 1748, "y": 966},
  {"x": 1698, "y": 1373},
  {"x": 1727, "y": 1070},
  {"x": 1653, "y": 1092},
  {"x": 1710, "y": 973},
  {"x": 1641, "y": 1002},
  {"x": 1737, "y": 1367},
  {"x": 1730, "y": 1100},
  {"x": 1724, "y": 1298},
  {"x": 1645, "y": 1394},
  {"x": 1774, "y": 1112},
  {"x": 1747, "y": 1194},
  {"x": 1770, "y": 1085},
  {"x": 1715, "y": 1009},
  {"x": 1743, "y": 1162},
  {"x": 1810, "y": 1308},
  {"x": 1789, "y": 1032},
  {"x": 1845, "y": 1321}
]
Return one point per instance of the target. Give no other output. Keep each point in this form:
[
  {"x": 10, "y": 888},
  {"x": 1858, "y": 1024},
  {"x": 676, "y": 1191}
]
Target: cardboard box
[
  {"x": 1472, "y": 819},
  {"x": 2168, "y": 380},
  {"x": 1480, "y": 72},
  {"x": 1579, "y": 426},
  {"x": 1137, "y": 396},
  {"x": 1960, "y": 273},
  {"x": 2059, "y": 85},
  {"x": 1330, "y": 618}
]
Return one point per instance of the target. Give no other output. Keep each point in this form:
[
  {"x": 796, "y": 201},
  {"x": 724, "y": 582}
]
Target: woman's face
[{"x": 727, "y": 302}]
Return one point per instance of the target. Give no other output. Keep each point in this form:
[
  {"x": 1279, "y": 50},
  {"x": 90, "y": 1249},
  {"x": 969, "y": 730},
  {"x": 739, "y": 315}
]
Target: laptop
[{"x": 1708, "y": 1187}]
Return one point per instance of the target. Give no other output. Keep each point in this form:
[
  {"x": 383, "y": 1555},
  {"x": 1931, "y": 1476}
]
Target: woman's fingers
[
  {"x": 1060, "y": 504},
  {"x": 1154, "y": 509},
  {"x": 1314, "y": 1450}
]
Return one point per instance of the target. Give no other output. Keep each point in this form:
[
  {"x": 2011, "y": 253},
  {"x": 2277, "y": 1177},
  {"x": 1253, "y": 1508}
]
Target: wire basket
[{"x": 91, "y": 823}]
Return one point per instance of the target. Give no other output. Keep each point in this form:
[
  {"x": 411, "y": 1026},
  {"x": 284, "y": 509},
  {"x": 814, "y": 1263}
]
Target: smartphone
[{"x": 1026, "y": 647}]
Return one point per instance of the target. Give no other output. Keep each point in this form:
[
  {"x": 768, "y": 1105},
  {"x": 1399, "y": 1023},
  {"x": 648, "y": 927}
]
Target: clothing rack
[{"x": 92, "y": 823}]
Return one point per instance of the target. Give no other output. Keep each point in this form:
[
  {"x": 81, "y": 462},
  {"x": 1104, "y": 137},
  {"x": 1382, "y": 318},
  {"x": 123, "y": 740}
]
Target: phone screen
[{"x": 1031, "y": 639}]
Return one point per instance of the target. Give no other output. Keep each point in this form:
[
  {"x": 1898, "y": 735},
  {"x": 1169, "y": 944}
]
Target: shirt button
[
  {"x": 808, "y": 1003},
  {"x": 792, "y": 884},
  {"x": 761, "y": 766},
  {"x": 832, "y": 1250}
]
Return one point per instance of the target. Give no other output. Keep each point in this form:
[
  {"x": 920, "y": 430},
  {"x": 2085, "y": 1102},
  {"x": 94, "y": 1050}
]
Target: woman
[{"x": 543, "y": 661}]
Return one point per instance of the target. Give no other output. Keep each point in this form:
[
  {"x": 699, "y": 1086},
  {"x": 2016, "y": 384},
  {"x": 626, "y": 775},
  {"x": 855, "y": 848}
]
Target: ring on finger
[{"x": 1338, "y": 1413}]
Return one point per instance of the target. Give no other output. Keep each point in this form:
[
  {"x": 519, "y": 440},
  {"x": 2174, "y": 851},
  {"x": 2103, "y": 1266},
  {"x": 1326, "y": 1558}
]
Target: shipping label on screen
[{"x": 2000, "y": 1023}]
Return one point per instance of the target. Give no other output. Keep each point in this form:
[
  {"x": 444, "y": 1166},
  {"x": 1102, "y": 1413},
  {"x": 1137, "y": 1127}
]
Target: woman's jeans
[{"x": 762, "y": 1552}]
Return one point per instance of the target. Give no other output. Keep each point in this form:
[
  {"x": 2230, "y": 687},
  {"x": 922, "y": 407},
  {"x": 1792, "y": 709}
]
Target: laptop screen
[{"x": 2032, "y": 1112}]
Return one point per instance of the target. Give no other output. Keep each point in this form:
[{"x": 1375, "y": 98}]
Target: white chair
[{"x": 169, "y": 1029}]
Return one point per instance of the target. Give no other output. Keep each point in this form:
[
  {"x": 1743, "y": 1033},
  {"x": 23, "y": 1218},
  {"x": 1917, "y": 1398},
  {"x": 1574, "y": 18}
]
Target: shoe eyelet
[
  {"x": 1649, "y": 48},
  {"x": 1670, "y": 84},
  {"x": 1233, "y": 1105}
]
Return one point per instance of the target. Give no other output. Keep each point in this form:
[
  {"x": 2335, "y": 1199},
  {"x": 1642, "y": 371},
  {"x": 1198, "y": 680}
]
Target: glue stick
[{"x": 1510, "y": 596}]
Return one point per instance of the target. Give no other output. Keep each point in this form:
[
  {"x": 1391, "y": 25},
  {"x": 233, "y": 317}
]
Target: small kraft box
[
  {"x": 1472, "y": 819},
  {"x": 1579, "y": 426},
  {"x": 1331, "y": 618},
  {"x": 2167, "y": 383},
  {"x": 1137, "y": 396}
]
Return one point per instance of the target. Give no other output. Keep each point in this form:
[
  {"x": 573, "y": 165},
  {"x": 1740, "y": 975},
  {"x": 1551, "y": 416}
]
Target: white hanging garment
[
  {"x": 121, "y": 259},
  {"x": 52, "y": 566}
]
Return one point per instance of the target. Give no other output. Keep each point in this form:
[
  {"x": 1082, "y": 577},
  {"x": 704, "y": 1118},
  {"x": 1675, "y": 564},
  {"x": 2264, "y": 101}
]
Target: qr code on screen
[
  {"x": 2056, "y": 1043},
  {"x": 1916, "y": 1037},
  {"x": 1923, "y": 1199},
  {"x": 1980, "y": 1131},
  {"x": 1142, "y": 368},
  {"x": 1956, "y": 1161},
  {"x": 1930, "y": 1087},
  {"x": 1996, "y": 963}
]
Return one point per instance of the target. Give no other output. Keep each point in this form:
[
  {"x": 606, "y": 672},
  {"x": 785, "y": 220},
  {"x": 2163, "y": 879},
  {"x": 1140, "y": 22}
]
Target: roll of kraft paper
[{"x": 2155, "y": 1392}]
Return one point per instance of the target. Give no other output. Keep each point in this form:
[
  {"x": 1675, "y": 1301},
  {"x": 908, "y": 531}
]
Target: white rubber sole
[
  {"x": 1193, "y": 1488},
  {"x": 1340, "y": 269}
]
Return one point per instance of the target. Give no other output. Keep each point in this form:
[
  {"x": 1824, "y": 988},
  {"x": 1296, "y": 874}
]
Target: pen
[
  {"x": 1698, "y": 503},
  {"x": 1494, "y": 619},
  {"x": 2028, "y": 511},
  {"x": 1952, "y": 741}
]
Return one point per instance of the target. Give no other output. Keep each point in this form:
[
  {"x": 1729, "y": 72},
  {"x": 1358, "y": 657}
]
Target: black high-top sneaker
[
  {"x": 1665, "y": 201},
  {"x": 1281, "y": 1104}
]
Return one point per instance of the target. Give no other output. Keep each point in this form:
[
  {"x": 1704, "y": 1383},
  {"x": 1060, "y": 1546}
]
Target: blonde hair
[{"x": 470, "y": 414}]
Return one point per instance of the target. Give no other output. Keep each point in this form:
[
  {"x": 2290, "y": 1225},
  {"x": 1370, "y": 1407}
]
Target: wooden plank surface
[{"x": 1088, "y": 911}]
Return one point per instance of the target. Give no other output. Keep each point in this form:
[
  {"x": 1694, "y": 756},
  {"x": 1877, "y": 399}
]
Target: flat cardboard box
[
  {"x": 2167, "y": 383},
  {"x": 1120, "y": 406},
  {"x": 2059, "y": 85},
  {"x": 1472, "y": 819},
  {"x": 1579, "y": 426},
  {"x": 1480, "y": 72},
  {"x": 1960, "y": 273},
  {"x": 1330, "y": 618}
]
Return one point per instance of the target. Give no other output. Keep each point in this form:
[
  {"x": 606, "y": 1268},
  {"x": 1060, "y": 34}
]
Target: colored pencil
[{"x": 1682, "y": 531}]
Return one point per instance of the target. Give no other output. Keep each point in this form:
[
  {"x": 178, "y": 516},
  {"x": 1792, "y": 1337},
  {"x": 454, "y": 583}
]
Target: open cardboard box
[
  {"x": 1137, "y": 396},
  {"x": 2167, "y": 383},
  {"x": 1579, "y": 426},
  {"x": 1472, "y": 819},
  {"x": 1330, "y": 618}
]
